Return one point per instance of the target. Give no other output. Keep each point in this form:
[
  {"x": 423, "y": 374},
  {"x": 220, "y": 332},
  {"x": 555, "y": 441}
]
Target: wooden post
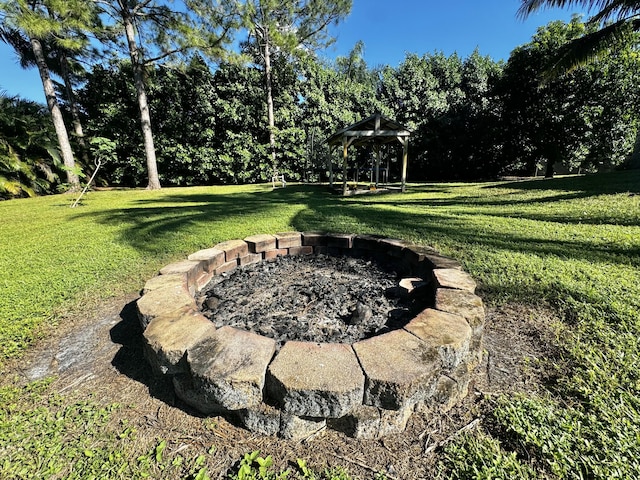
[
  {"x": 405, "y": 151},
  {"x": 377, "y": 150},
  {"x": 330, "y": 169},
  {"x": 345, "y": 144}
]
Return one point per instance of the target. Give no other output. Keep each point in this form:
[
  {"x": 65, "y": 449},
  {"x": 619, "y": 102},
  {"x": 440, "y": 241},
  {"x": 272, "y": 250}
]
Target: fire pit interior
[
  {"x": 295, "y": 332},
  {"x": 316, "y": 298}
]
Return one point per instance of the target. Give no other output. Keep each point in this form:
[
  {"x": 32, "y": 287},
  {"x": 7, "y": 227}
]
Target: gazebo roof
[{"x": 375, "y": 129}]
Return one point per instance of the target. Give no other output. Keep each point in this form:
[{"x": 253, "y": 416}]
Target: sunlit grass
[{"x": 572, "y": 243}]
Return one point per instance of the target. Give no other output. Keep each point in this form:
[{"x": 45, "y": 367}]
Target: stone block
[
  {"x": 453, "y": 278},
  {"x": 463, "y": 303},
  {"x": 272, "y": 254},
  {"x": 321, "y": 250},
  {"x": 163, "y": 302},
  {"x": 369, "y": 242},
  {"x": 315, "y": 379},
  {"x": 175, "y": 280},
  {"x": 340, "y": 240},
  {"x": 304, "y": 250},
  {"x": 191, "y": 268},
  {"x": 226, "y": 267},
  {"x": 211, "y": 258},
  {"x": 293, "y": 427},
  {"x": 399, "y": 369},
  {"x": 250, "y": 258},
  {"x": 233, "y": 249},
  {"x": 260, "y": 243},
  {"x": 449, "y": 333},
  {"x": 262, "y": 419},
  {"x": 288, "y": 239},
  {"x": 394, "y": 421},
  {"x": 228, "y": 369},
  {"x": 418, "y": 254},
  {"x": 314, "y": 239},
  {"x": 363, "y": 422},
  {"x": 203, "y": 280},
  {"x": 167, "y": 339},
  {"x": 393, "y": 247}
]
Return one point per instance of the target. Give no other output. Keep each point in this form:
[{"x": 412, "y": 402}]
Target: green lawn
[{"x": 573, "y": 243}]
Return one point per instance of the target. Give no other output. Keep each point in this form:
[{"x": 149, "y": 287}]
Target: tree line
[{"x": 184, "y": 109}]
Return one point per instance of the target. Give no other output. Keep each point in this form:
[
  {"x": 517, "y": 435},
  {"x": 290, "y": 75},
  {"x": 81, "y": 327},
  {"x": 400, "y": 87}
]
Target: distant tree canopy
[{"x": 471, "y": 118}]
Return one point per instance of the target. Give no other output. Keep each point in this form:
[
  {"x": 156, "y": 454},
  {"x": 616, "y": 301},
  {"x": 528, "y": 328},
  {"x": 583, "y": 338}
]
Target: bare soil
[{"x": 99, "y": 355}]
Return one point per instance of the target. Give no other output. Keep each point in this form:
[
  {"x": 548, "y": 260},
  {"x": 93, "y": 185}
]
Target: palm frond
[
  {"x": 589, "y": 47},
  {"x": 617, "y": 10},
  {"x": 530, "y": 6}
]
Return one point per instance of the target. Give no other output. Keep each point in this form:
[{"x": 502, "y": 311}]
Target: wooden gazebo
[{"x": 376, "y": 131}]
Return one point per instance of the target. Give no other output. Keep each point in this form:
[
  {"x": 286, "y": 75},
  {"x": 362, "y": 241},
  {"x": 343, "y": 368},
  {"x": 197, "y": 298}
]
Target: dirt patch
[{"x": 99, "y": 355}]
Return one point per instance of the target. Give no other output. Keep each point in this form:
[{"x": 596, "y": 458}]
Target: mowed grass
[{"x": 572, "y": 243}]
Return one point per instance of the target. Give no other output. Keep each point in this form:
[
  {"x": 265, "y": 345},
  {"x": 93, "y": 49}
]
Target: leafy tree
[
  {"x": 287, "y": 28},
  {"x": 448, "y": 104},
  {"x": 153, "y": 31},
  {"x": 333, "y": 97},
  {"x": 54, "y": 22},
  {"x": 616, "y": 18},
  {"x": 61, "y": 62},
  {"x": 29, "y": 160},
  {"x": 568, "y": 119}
]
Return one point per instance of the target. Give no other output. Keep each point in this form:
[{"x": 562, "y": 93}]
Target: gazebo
[{"x": 377, "y": 131}]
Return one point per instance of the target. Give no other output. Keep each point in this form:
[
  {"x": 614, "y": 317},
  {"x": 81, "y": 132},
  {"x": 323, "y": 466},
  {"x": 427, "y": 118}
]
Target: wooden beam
[{"x": 376, "y": 133}]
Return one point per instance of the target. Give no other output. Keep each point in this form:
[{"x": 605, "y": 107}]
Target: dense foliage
[{"x": 472, "y": 118}]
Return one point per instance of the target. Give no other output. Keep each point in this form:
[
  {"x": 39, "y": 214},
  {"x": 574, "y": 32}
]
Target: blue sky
[{"x": 389, "y": 29}]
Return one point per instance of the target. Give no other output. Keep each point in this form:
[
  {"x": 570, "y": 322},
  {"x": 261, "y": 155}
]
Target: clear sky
[{"x": 389, "y": 30}]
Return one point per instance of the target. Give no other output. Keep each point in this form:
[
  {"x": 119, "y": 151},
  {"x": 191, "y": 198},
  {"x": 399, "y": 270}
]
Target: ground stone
[
  {"x": 399, "y": 369},
  {"x": 316, "y": 379}
]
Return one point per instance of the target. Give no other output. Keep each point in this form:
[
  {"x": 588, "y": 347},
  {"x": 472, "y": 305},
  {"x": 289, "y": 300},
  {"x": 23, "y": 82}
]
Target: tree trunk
[
  {"x": 73, "y": 106},
  {"x": 145, "y": 117},
  {"x": 56, "y": 115},
  {"x": 548, "y": 173},
  {"x": 270, "y": 116}
]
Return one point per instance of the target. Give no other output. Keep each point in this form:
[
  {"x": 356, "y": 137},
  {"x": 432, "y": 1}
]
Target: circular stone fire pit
[{"x": 365, "y": 386}]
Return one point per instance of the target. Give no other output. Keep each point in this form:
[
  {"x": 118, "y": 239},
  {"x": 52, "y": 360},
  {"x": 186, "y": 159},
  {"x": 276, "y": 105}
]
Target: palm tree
[{"x": 616, "y": 19}]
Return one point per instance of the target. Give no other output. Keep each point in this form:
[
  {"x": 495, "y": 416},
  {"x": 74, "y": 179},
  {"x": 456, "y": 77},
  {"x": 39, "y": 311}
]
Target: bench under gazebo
[{"x": 376, "y": 131}]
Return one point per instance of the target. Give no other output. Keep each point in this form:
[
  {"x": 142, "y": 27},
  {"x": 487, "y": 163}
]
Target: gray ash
[{"x": 308, "y": 298}]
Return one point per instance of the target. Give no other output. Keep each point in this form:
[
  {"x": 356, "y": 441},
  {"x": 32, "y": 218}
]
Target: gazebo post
[
  {"x": 345, "y": 144},
  {"x": 330, "y": 169},
  {"x": 377, "y": 150},
  {"x": 405, "y": 152}
]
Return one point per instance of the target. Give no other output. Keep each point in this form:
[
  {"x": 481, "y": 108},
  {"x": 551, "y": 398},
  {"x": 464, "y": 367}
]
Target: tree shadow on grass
[{"x": 149, "y": 225}]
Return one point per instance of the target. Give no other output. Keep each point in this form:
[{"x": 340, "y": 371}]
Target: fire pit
[{"x": 295, "y": 332}]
